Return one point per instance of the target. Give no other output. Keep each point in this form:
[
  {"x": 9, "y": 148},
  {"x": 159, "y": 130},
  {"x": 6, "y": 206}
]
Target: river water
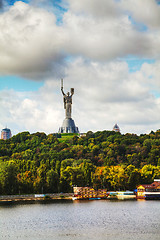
[{"x": 81, "y": 220}]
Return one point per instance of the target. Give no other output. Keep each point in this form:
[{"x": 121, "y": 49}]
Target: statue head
[{"x": 68, "y": 94}]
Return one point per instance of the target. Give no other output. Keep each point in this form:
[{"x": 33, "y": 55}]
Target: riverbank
[{"x": 32, "y": 198}]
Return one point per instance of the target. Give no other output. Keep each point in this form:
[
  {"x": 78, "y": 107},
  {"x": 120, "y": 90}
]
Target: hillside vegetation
[{"x": 37, "y": 163}]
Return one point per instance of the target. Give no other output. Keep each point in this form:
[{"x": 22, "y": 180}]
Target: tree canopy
[{"x": 39, "y": 163}]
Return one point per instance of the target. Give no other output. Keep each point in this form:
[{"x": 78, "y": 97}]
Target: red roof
[{"x": 153, "y": 185}]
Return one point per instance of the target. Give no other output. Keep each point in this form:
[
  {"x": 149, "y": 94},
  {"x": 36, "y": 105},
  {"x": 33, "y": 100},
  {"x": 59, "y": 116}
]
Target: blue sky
[
  {"x": 113, "y": 51},
  {"x": 135, "y": 64},
  {"x": 54, "y": 2},
  {"x": 19, "y": 84},
  {"x": 11, "y": 2}
]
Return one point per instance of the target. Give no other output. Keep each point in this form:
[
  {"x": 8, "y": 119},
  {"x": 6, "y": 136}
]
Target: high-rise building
[
  {"x": 116, "y": 128},
  {"x": 6, "y": 133}
]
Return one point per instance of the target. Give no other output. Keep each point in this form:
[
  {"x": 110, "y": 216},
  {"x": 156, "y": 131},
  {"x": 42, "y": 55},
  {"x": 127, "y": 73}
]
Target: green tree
[
  {"x": 147, "y": 173},
  {"x": 8, "y": 178},
  {"x": 52, "y": 181}
]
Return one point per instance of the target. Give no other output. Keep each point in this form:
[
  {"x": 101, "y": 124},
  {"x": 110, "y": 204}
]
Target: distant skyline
[{"x": 108, "y": 51}]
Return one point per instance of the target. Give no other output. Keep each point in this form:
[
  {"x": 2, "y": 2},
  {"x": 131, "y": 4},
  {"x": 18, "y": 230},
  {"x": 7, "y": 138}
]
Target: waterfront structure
[
  {"x": 68, "y": 125},
  {"x": 121, "y": 195},
  {"x": 82, "y": 193},
  {"x": 116, "y": 128},
  {"x": 89, "y": 193},
  {"x": 148, "y": 191},
  {"x": 6, "y": 134}
]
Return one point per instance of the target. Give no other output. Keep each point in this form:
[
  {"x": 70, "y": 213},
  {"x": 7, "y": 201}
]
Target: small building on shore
[
  {"x": 148, "y": 190},
  {"x": 89, "y": 193}
]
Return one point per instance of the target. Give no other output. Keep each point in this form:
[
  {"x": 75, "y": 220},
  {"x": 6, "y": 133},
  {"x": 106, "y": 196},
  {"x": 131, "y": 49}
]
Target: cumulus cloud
[
  {"x": 152, "y": 75},
  {"x": 117, "y": 97},
  {"x": 85, "y": 48},
  {"x": 105, "y": 39},
  {"x": 34, "y": 46},
  {"x": 30, "y": 41},
  {"x": 31, "y": 111},
  {"x": 98, "y": 35},
  {"x": 147, "y": 12},
  {"x": 102, "y": 9}
]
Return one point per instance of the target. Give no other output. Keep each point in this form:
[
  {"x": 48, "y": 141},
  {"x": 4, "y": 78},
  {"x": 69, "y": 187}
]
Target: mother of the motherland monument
[{"x": 68, "y": 125}]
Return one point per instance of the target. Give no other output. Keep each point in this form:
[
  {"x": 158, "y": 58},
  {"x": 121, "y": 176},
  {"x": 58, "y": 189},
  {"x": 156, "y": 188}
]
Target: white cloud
[
  {"x": 102, "y": 36},
  {"x": 146, "y": 12},
  {"x": 31, "y": 111},
  {"x": 34, "y": 46},
  {"x": 152, "y": 75},
  {"x": 104, "y": 39},
  {"x": 100, "y": 9},
  {"x": 98, "y": 35},
  {"x": 108, "y": 93},
  {"x": 30, "y": 41},
  {"x": 104, "y": 94},
  {"x": 92, "y": 39}
]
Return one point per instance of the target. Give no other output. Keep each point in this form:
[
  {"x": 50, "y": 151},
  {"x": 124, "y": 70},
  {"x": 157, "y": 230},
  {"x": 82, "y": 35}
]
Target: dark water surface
[{"x": 79, "y": 220}]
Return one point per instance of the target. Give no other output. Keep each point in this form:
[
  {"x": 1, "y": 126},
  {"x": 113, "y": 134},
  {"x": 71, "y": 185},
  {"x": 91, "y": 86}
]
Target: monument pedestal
[{"x": 68, "y": 126}]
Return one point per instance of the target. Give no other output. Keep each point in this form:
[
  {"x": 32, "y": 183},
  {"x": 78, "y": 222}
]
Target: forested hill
[{"x": 36, "y": 163}]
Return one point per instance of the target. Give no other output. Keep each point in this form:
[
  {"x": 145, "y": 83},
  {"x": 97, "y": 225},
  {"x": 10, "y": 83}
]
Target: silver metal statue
[
  {"x": 68, "y": 125},
  {"x": 67, "y": 98}
]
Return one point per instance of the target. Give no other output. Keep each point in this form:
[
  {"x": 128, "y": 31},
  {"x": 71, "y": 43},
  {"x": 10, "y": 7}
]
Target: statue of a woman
[{"x": 67, "y": 98}]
